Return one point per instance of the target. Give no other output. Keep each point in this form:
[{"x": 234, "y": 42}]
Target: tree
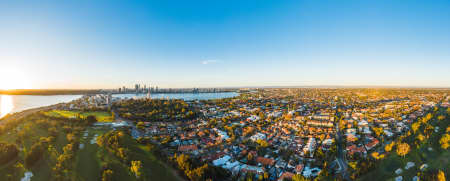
[
  {"x": 250, "y": 157},
  {"x": 261, "y": 115},
  {"x": 420, "y": 137},
  {"x": 441, "y": 175},
  {"x": 389, "y": 146},
  {"x": 183, "y": 162},
  {"x": 378, "y": 131},
  {"x": 415, "y": 126},
  {"x": 266, "y": 175},
  {"x": 107, "y": 175},
  {"x": 403, "y": 149},
  {"x": 353, "y": 165},
  {"x": 7, "y": 152},
  {"x": 262, "y": 143},
  {"x": 197, "y": 174},
  {"x": 445, "y": 141},
  {"x": 140, "y": 125},
  {"x": 136, "y": 167},
  {"x": 298, "y": 177},
  {"x": 377, "y": 156},
  {"x": 70, "y": 137},
  {"x": 113, "y": 115},
  {"x": 91, "y": 119},
  {"x": 36, "y": 152}
]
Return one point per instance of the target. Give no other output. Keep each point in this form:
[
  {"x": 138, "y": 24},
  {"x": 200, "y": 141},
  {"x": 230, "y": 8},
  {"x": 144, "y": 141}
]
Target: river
[
  {"x": 185, "y": 96},
  {"x": 17, "y": 103}
]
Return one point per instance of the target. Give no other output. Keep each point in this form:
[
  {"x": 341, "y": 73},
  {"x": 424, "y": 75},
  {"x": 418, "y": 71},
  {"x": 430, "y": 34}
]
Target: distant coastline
[
  {"x": 51, "y": 92},
  {"x": 48, "y": 92}
]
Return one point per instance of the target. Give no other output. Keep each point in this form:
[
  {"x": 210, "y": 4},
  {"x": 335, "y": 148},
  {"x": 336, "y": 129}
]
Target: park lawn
[
  {"x": 153, "y": 168},
  {"x": 10, "y": 136},
  {"x": 35, "y": 134},
  {"x": 436, "y": 159},
  {"x": 43, "y": 168},
  {"x": 87, "y": 163},
  {"x": 101, "y": 116},
  {"x": 91, "y": 158},
  {"x": 8, "y": 168}
]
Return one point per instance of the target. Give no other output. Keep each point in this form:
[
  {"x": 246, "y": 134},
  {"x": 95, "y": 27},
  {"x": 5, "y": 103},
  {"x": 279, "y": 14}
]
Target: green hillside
[
  {"x": 426, "y": 147},
  {"x": 54, "y": 146}
]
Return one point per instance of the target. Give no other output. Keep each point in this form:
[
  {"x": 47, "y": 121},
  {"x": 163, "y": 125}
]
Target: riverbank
[
  {"x": 48, "y": 92},
  {"x": 22, "y": 114}
]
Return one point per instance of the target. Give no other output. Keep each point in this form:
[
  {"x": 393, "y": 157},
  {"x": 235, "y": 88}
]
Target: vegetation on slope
[
  {"x": 155, "y": 110},
  {"x": 427, "y": 145},
  {"x": 65, "y": 148}
]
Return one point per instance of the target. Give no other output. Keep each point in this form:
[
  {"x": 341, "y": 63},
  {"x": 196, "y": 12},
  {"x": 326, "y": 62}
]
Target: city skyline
[{"x": 106, "y": 45}]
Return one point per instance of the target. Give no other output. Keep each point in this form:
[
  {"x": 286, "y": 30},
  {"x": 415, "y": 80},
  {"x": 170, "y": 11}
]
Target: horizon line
[{"x": 237, "y": 87}]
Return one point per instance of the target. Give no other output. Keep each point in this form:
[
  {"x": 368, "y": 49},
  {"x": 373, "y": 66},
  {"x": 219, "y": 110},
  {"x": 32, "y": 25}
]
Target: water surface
[
  {"x": 184, "y": 96},
  {"x": 17, "y": 103}
]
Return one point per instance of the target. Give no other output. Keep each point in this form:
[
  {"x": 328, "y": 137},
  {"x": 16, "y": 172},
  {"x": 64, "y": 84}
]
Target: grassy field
[
  {"x": 88, "y": 166},
  {"x": 42, "y": 169},
  {"x": 89, "y": 160},
  {"x": 437, "y": 159},
  {"x": 101, "y": 116}
]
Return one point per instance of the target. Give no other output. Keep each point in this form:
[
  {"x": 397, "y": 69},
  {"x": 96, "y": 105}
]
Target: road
[{"x": 341, "y": 153}]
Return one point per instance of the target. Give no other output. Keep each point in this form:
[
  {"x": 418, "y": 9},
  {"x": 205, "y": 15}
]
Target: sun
[{"x": 11, "y": 78}]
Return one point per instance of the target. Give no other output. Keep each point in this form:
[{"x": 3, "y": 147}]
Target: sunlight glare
[{"x": 6, "y": 105}]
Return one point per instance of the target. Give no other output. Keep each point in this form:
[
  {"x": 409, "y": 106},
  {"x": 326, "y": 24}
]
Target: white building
[
  {"x": 258, "y": 136},
  {"x": 310, "y": 145}
]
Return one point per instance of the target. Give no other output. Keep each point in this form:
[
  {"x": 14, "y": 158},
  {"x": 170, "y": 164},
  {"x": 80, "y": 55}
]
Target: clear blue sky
[{"x": 107, "y": 44}]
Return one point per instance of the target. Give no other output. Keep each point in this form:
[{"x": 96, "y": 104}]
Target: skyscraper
[{"x": 136, "y": 88}]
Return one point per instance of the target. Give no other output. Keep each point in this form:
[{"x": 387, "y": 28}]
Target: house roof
[
  {"x": 288, "y": 175},
  {"x": 265, "y": 161},
  {"x": 183, "y": 148},
  {"x": 299, "y": 168}
]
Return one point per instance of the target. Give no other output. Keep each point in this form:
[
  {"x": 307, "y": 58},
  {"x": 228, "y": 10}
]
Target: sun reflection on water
[{"x": 6, "y": 105}]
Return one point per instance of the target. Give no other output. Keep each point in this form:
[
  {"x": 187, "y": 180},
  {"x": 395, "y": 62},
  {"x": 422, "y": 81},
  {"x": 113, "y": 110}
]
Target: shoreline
[
  {"x": 113, "y": 93},
  {"x": 24, "y": 113}
]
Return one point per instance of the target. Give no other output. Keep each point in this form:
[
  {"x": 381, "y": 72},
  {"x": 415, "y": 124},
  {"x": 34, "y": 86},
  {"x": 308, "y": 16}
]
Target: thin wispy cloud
[{"x": 206, "y": 62}]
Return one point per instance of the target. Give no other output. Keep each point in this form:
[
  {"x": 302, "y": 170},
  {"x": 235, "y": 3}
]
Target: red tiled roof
[
  {"x": 373, "y": 143},
  {"x": 353, "y": 149},
  {"x": 183, "y": 148},
  {"x": 265, "y": 161},
  {"x": 299, "y": 168},
  {"x": 288, "y": 175}
]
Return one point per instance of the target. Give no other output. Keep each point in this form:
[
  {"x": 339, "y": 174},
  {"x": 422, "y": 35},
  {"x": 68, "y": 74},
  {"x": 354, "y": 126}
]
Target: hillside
[
  {"x": 425, "y": 150},
  {"x": 56, "y": 145}
]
